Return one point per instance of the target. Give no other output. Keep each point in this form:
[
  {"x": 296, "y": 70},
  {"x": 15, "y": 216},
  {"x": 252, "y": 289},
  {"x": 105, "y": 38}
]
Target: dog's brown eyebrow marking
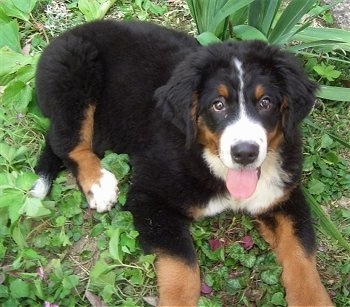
[
  {"x": 206, "y": 137},
  {"x": 222, "y": 90},
  {"x": 259, "y": 91}
]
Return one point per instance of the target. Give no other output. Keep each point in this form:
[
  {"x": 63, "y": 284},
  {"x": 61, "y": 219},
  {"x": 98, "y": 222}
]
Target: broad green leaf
[
  {"x": 25, "y": 180},
  {"x": 69, "y": 282},
  {"x": 94, "y": 9},
  {"x": 12, "y": 198},
  {"x": 18, "y": 236},
  {"x": 17, "y": 95},
  {"x": 327, "y": 71},
  {"x": 19, "y": 288},
  {"x": 326, "y": 141},
  {"x": 271, "y": 277},
  {"x": 9, "y": 36},
  {"x": 8, "y": 152},
  {"x": 3, "y": 17},
  {"x": 331, "y": 157},
  {"x": 25, "y": 5},
  {"x": 89, "y": 8},
  {"x": 26, "y": 73},
  {"x": 207, "y": 38},
  {"x": 11, "y": 62},
  {"x": 248, "y": 260},
  {"x": 63, "y": 239},
  {"x": 103, "y": 274},
  {"x": 277, "y": 299},
  {"x": 114, "y": 246},
  {"x": 245, "y": 32},
  {"x": 18, "y": 8},
  {"x": 117, "y": 164},
  {"x": 316, "y": 187},
  {"x": 34, "y": 208}
]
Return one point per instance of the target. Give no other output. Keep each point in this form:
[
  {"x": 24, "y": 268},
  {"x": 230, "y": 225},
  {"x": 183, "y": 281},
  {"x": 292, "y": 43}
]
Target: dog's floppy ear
[
  {"x": 177, "y": 100},
  {"x": 299, "y": 96}
]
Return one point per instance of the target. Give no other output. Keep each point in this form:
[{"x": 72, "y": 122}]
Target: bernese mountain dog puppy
[{"x": 207, "y": 129}]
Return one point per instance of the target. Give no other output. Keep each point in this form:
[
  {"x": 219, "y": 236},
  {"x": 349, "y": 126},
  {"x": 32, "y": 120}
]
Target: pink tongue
[{"x": 241, "y": 183}]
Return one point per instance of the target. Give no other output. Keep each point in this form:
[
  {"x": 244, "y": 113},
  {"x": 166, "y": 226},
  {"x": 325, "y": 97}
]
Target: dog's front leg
[
  {"x": 289, "y": 231},
  {"x": 166, "y": 233},
  {"x": 178, "y": 281}
]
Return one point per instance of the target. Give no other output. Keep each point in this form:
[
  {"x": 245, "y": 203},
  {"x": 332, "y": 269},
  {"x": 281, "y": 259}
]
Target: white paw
[
  {"x": 103, "y": 194},
  {"x": 40, "y": 188}
]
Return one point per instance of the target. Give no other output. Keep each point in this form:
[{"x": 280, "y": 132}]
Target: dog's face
[{"x": 238, "y": 100}]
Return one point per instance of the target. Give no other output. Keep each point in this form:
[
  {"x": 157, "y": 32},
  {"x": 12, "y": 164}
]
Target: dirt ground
[{"x": 341, "y": 13}]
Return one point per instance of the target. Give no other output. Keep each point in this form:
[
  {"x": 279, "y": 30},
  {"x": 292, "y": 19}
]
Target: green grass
[{"x": 59, "y": 252}]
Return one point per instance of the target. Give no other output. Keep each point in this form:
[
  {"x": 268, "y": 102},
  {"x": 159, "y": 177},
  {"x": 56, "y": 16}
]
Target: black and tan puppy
[{"x": 207, "y": 129}]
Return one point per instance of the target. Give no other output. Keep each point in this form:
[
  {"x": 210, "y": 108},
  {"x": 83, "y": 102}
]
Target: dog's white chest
[{"x": 270, "y": 189}]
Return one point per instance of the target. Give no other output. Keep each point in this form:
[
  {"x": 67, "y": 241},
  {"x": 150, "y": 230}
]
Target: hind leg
[
  {"x": 69, "y": 83},
  {"x": 98, "y": 184},
  {"x": 71, "y": 145},
  {"x": 47, "y": 169}
]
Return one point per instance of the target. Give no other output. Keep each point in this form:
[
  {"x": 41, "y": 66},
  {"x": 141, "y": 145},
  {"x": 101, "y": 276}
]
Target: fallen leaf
[
  {"x": 215, "y": 244},
  {"x": 247, "y": 242},
  {"x": 94, "y": 299},
  {"x": 152, "y": 300},
  {"x": 205, "y": 289}
]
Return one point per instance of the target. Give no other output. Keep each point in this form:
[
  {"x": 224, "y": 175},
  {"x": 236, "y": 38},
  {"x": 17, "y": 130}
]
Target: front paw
[{"x": 103, "y": 194}]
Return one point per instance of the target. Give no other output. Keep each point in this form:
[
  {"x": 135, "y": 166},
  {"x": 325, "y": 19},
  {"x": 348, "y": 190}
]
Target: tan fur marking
[
  {"x": 300, "y": 277},
  {"x": 194, "y": 107},
  {"x": 259, "y": 91},
  {"x": 275, "y": 137},
  {"x": 223, "y": 91},
  {"x": 89, "y": 167},
  {"x": 284, "y": 111},
  {"x": 195, "y": 212},
  {"x": 206, "y": 137},
  {"x": 179, "y": 283}
]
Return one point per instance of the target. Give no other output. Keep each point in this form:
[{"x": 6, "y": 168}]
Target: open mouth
[{"x": 241, "y": 183}]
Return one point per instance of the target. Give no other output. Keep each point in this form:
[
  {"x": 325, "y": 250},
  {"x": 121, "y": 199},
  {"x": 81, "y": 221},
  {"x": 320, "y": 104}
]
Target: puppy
[{"x": 207, "y": 129}]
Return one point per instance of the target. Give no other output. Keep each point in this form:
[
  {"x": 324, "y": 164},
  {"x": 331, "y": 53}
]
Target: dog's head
[{"x": 239, "y": 100}]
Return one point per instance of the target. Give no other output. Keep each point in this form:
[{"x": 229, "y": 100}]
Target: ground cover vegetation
[{"x": 57, "y": 252}]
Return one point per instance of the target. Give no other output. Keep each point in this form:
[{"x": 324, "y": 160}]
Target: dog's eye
[
  {"x": 264, "y": 103},
  {"x": 219, "y": 104}
]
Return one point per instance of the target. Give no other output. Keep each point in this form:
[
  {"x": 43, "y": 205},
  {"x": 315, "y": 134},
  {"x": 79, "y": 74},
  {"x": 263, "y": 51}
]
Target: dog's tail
[{"x": 68, "y": 80}]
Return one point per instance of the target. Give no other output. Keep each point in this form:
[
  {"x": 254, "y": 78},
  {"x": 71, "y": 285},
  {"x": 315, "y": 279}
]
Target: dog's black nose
[{"x": 245, "y": 153}]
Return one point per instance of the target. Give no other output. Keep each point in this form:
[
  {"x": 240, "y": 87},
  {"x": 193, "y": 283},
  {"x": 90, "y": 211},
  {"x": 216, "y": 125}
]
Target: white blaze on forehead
[
  {"x": 242, "y": 129},
  {"x": 238, "y": 65}
]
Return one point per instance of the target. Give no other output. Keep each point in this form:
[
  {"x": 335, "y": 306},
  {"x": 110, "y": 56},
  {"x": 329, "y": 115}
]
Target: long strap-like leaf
[
  {"x": 326, "y": 225},
  {"x": 290, "y": 17}
]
